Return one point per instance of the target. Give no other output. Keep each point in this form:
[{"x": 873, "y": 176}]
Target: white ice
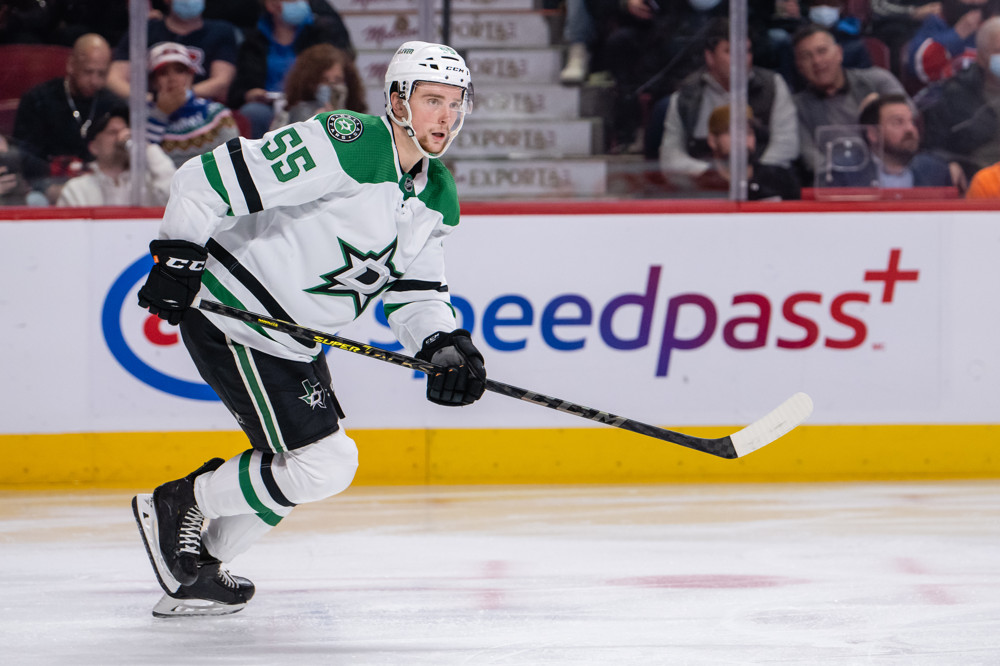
[{"x": 873, "y": 573}]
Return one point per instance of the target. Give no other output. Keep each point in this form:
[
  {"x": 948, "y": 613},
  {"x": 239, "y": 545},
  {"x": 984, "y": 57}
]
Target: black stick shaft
[{"x": 722, "y": 447}]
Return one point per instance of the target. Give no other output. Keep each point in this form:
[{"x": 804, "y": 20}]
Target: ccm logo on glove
[
  {"x": 174, "y": 280},
  {"x": 462, "y": 381},
  {"x": 176, "y": 262}
]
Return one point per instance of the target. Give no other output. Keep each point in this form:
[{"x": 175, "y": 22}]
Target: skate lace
[
  {"x": 226, "y": 578},
  {"x": 189, "y": 537}
]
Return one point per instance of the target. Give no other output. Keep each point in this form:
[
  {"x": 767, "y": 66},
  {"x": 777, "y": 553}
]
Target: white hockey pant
[{"x": 250, "y": 493}]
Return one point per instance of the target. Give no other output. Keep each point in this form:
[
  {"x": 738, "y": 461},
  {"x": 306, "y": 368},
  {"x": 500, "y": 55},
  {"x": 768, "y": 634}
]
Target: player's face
[{"x": 436, "y": 109}]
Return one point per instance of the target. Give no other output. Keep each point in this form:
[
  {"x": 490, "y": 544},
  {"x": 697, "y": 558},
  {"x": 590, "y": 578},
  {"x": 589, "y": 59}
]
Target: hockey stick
[{"x": 761, "y": 432}]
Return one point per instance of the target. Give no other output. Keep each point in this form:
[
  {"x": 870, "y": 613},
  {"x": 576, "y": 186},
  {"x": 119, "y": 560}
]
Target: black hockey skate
[
  {"x": 215, "y": 592},
  {"x": 170, "y": 524}
]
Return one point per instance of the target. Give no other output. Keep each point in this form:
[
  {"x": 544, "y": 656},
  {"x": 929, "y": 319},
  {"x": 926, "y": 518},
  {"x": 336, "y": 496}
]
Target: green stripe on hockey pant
[
  {"x": 246, "y": 485},
  {"x": 248, "y": 371}
]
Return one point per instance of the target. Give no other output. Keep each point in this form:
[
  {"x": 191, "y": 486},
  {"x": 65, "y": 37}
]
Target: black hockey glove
[
  {"x": 174, "y": 280},
  {"x": 465, "y": 378}
]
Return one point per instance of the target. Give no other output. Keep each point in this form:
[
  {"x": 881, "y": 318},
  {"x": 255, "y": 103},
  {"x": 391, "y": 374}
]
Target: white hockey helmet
[{"x": 414, "y": 62}]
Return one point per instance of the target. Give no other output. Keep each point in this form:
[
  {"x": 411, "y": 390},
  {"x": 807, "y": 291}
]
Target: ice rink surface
[{"x": 854, "y": 573}]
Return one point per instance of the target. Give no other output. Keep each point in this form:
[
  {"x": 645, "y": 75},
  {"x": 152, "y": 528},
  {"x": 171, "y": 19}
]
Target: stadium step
[{"x": 528, "y": 136}]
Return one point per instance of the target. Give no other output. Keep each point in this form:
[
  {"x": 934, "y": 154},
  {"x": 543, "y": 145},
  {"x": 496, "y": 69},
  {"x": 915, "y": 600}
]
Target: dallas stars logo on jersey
[
  {"x": 343, "y": 127},
  {"x": 363, "y": 277}
]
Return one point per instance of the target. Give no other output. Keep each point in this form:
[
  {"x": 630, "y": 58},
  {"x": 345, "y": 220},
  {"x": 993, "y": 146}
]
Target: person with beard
[
  {"x": 890, "y": 121},
  {"x": 110, "y": 182}
]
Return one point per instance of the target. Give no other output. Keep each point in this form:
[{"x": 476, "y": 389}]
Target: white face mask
[
  {"x": 824, "y": 15},
  {"x": 332, "y": 94},
  {"x": 995, "y": 65}
]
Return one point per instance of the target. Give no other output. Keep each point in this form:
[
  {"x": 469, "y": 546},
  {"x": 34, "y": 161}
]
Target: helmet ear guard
[{"x": 416, "y": 62}]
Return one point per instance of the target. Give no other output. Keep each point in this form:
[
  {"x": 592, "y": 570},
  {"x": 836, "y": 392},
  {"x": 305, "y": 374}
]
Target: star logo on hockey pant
[
  {"x": 363, "y": 277},
  {"x": 314, "y": 395}
]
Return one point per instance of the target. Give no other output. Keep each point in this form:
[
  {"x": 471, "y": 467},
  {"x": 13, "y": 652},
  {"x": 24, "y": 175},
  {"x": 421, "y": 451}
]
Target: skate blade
[
  {"x": 170, "y": 607},
  {"x": 145, "y": 518}
]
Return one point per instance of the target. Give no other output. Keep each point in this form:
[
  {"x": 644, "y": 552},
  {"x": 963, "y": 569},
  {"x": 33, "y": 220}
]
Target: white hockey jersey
[{"x": 314, "y": 222}]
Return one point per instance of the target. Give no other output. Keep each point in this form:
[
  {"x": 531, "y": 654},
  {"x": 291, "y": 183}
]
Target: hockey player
[{"x": 310, "y": 224}]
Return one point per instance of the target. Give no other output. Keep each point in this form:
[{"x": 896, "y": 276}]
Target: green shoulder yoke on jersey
[{"x": 364, "y": 148}]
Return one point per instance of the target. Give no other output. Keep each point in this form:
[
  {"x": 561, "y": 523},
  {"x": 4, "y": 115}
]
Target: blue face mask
[
  {"x": 188, "y": 9},
  {"x": 296, "y": 13},
  {"x": 824, "y": 15},
  {"x": 995, "y": 65},
  {"x": 323, "y": 93}
]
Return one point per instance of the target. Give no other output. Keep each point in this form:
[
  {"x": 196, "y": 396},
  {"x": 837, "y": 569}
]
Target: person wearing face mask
[
  {"x": 286, "y": 28},
  {"x": 180, "y": 122},
  {"x": 961, "y": 113},
  {"x": 946, "y": 44},
  {"x": 831, "y": 15},
  {"x": 323, "y": 79},
  {"x": 213, "y": 41}
]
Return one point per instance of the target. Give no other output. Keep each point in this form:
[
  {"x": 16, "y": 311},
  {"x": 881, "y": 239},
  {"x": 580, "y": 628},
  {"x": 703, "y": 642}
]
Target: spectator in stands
[
  {"x": 53, "y": 117},
  {"x": 649, "y": 48},
  {"x": 945, "y": 44},
  {"x": 214, "y": 42},
  {"x": 960, "y": 117},
  {"x": 832, "y": 95},
  {"x": 323, "y": 78},
  {"x": 28, "y": 21},
  {"x": 895, "y": 22},
  {"x": 79, "y": 17},
  {"x": 286, "y": 28},
  {"x": 110, "y": 182},
  {"x": 985, "y": 183},
  {"x": 241, "y": 14},
  {"x": 14, "y": 189},
  {"x": 893, "y": 137},
  {"x": 685, "y": 148},
  {"x": 180, "y": 122},
  {"x": 764, "y": 181},
  {"x": 578, "y": 33},
  {"x": 832, "y": 15}
]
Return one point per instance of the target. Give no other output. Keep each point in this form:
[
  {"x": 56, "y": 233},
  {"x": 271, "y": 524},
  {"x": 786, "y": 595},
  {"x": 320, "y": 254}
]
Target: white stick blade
[{"x": 780, "y": 421}]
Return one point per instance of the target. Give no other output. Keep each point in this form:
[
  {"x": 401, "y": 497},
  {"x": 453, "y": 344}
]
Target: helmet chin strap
[{"x": 407, "y": 125}]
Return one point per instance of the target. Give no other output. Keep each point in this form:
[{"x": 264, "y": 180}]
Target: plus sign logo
[
  {"x": 800, "y": 320},
  {"x": 891, "y": 275}
]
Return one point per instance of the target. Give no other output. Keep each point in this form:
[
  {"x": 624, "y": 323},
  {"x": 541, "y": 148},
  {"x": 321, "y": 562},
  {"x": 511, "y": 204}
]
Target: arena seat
[{"x": 25, "y": 66}]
